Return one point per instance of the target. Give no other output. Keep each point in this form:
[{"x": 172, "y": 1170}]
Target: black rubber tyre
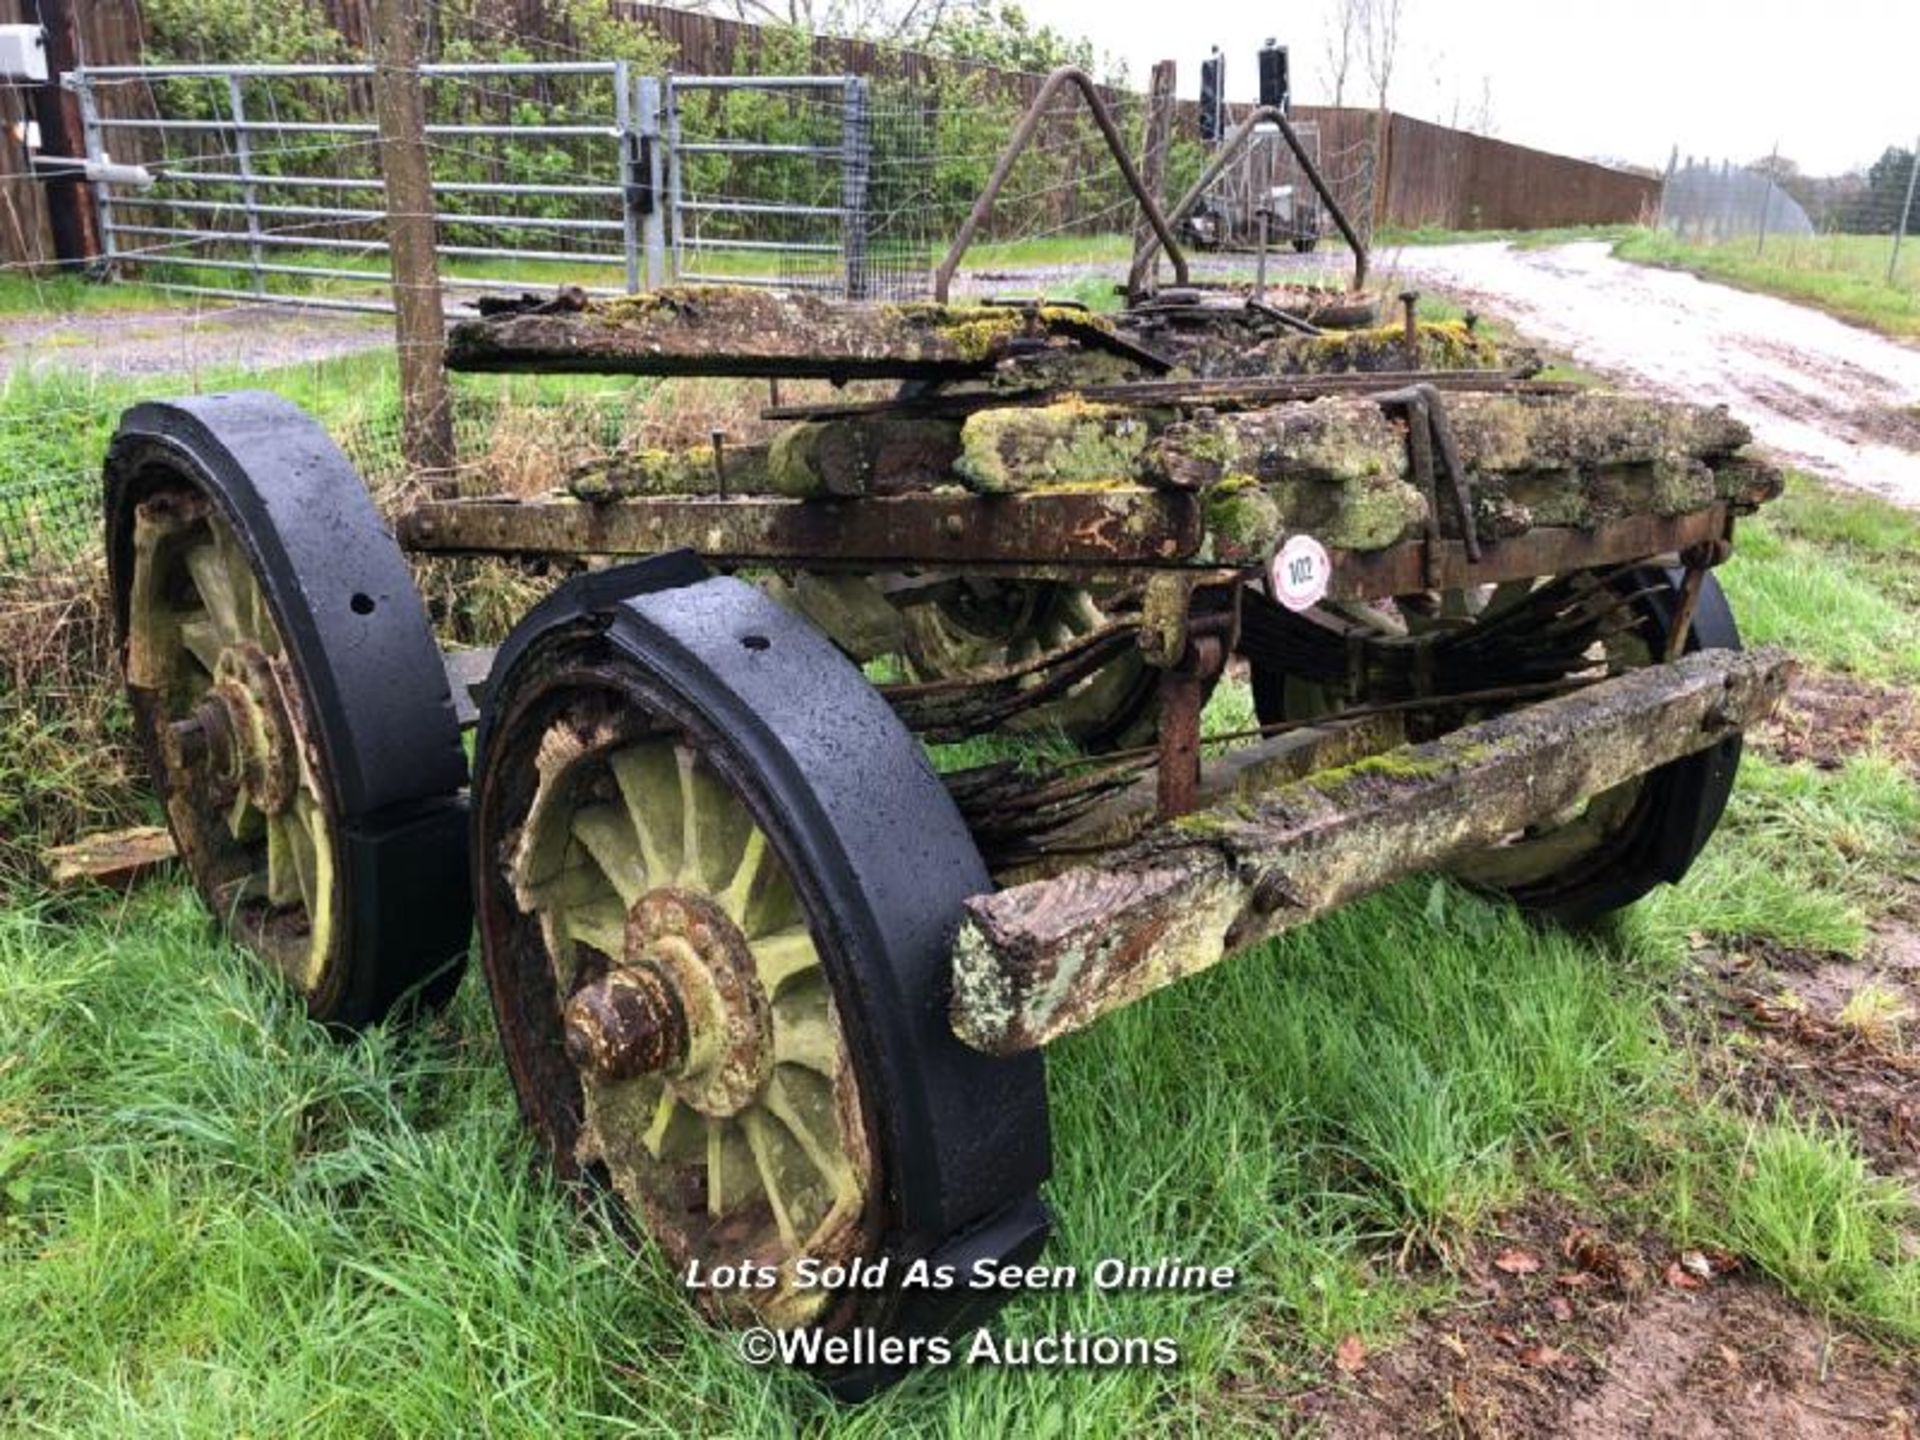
[
  {"x": 777, "y": 723},
  {"x": 1673, "y": 810},
  {"x": 327, "y": 594}
]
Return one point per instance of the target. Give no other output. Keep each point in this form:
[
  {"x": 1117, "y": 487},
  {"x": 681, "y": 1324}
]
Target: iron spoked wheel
[
  {"x": 1609, "y": 851},
  {"x": 989, "y": 624},
  {"x": 717, "y": 885},
  {"x": 717, "y": 1088},
  {"x": 218, "y": 703},
  {"x": 290, "y": 700}
]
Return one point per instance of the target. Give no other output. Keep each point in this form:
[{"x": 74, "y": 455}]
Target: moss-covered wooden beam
[
  {"x": 737, "y": 330},
  {"x": 1038, "y": 961}
]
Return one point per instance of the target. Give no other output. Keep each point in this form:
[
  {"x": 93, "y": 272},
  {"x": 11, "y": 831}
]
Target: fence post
[
  {"x": 1906, "y": 209},
  {"x": 676, "y": 179},
  {"x": 249, "y": 195},
  {"x": 1153, "y": 167},
  {"x": 647, "y": 119},
  {"x": 70, "y": 213},
  {"x": 420, "y": 326},
  {"x": 96, "y": 152},
  {"x": 855, "y": 154},
  {"x": 628, "y": 145},
  {"x": 1766, "y": 205}
]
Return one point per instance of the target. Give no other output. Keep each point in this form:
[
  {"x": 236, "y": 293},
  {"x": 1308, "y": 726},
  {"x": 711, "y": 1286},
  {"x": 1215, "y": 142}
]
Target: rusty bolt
[
  {"x": 625, "y": 1025},
  {"x": 203, "y": 740}
]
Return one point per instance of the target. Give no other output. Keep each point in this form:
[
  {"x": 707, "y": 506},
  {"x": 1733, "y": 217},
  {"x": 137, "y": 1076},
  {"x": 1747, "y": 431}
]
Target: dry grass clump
[{"x": 68, "y": 761}]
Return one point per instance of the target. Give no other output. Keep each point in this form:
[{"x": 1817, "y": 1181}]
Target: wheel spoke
[
  {"x": 202, "y": 640},
  {"x": 215, "y": 586},
  {"x": 715, "y": 827},
  {"x": 833, "y": 1166},
  {"x": 783, "y": 955},
  {"x": 649, "y": 779},
  {"x": 282, "y": 884},
  {"x": 243, "y": 818},
  {"x": 599, "y": 923},
  {"x": 654, "y": 1137},
  {"x": 803, "y": 1031},
  {"x": 731, "y": 1176},
  {"x": 759, "y": 887},
  {"x": 300, "y": 846},
  {"x": 606, "y": 834},
  {"x": 763, "y": 1141}
]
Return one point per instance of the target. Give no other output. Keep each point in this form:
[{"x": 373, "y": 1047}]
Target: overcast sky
[{"x": 1835, "y": 83}]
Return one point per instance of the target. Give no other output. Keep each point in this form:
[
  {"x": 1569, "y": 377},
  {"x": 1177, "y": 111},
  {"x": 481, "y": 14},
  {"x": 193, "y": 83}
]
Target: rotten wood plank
[
  {"x": 1239, "y": 774},
  {"x": 1040, "y": 960},
  {"x": 114, "y": 858},
  {"x": 735, "y": 330},
  {"x": 1118, "y": 528},
  {"x": 1223, "y": 393}
]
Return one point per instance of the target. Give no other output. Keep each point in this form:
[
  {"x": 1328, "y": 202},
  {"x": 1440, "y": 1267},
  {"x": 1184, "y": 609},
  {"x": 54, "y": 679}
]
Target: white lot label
[{"x": 1301, "y": 570}]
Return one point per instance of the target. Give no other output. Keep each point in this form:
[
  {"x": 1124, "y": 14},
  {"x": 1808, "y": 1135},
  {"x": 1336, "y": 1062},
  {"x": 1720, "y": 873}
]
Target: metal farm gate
[
  {"x": 768, "y": 180},
  {"x": 262, "y": 182}
]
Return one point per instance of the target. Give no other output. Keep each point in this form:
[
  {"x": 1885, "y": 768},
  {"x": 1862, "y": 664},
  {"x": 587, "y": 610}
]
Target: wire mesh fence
[
  {"x": 1860, "y": 223},
  {"x": 47, "y": 520}
]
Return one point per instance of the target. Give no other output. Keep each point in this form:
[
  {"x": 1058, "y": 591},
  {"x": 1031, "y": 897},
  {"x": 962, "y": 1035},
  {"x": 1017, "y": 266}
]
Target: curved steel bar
[
  {"x": 1229, "y": 148},
  {"x": 1022, "y": 137}
]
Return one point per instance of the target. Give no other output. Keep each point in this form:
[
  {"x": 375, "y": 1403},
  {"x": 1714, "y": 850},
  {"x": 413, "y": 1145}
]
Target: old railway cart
[{"x": 757, "y": 967}]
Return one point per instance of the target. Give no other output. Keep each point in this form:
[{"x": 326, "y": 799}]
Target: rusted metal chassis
[{"x": 1040, "y": 960}]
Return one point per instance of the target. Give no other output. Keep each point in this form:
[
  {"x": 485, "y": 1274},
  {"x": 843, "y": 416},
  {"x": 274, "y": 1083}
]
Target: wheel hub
[
  {"x": 686, "y": 1003},
  {"x": 242, "y": 731}
]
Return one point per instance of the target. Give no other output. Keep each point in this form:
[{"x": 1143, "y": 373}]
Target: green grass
[
  {"x": 1844, "y": 275},
  {"x": 1831, "y": 574}
]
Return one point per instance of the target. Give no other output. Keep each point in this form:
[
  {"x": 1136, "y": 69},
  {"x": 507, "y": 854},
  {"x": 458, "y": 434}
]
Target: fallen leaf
[
  {"x": 1350, "y": 1355},
  {"x": 1541, "y": 1356},
  {"x": 1694, "y": 1263},
  {"x": 1506, "y": 1337},
  {"x": 1517, "y": 1261},
  {"x": 1680, "y": 1279},
  {"x": 1455, "y": 1344},
  {"x": 1561, "y": 1307}
]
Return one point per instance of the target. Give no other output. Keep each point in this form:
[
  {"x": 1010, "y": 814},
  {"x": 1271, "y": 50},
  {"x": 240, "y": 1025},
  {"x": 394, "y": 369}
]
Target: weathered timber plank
[
  {"x": 1060, "y": 530},
  {"x": 1037, "y": 961},
  {"x": 1236, "y": 775},
  {"x": 1104, "y": 527},
  {"x": 734, "y": 330},
  {"x": 115, "y": 858}
]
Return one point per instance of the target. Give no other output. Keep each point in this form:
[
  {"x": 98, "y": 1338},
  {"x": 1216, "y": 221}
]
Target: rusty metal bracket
[
  {"x": 1190, "y": 624},
  {"x": 1229, "y": 148},
  {"x": 1022, "y": 137},
  {"x": 1430, "y": 437},
  {"x": 1698, "y": 559}
]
